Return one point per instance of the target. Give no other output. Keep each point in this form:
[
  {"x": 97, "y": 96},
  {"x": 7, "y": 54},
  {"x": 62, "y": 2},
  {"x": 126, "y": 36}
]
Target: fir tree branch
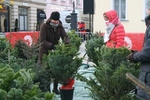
[{"x": 138, "y": 82}]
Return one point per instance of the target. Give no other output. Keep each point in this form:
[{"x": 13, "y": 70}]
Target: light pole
[{"x": 73, "y": 19}]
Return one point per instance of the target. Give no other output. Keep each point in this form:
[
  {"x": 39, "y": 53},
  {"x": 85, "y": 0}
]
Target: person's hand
[
  {"x": 53, "y": 47},
  {"x": 134, "y": 51},
  {"x": 130, "y": 56}
]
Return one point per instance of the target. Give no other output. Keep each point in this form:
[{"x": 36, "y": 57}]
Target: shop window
[
  {"x": 120, "y": 7},
  {"x": 23, "y": 19}
]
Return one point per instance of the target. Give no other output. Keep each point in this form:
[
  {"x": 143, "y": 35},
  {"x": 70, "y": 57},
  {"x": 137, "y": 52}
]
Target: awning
[{"x": 41, "y": 14}]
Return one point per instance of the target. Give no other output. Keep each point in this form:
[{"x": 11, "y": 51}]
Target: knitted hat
[
  {"x": 148, "y": 4},
  {"x": 55, "y": 15}
]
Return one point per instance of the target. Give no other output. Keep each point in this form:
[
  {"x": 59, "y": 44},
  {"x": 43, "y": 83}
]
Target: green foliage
[
  {"x": 19, "y": 49},
  {"x": 49, "y": 96},
  {"x": 3, "y": 95},
  {"x": 33, "y": 94},
  {"x": 25, "y": 51},
  {"x": 110, "y": 82},
  {"x": 21, "y": 56},
  {"x": 6, "y": 77},
  {"x": 93, "y": 47},
  {"x": 74, "y": 39},
  {"x": 19, "y": 86},
  {"x": 63, "y": 62},
  {"x": 18, "y": 71},
  {"x": 23, "y": 78},
  {"x": 4, "y": 46},
  {"x": 14, "y": 94}
]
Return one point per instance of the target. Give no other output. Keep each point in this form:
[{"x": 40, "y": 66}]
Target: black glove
[
  {"x": 130, "y": 56},
  {"x": 134, "y": 51},
  {"x": 53, "y": 47}
]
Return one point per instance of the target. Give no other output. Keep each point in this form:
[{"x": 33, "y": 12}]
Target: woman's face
[
  {"x": 105, "y": 17},
  {"x": 148, "y": 11},
  {"x": 55, "y": 21}
]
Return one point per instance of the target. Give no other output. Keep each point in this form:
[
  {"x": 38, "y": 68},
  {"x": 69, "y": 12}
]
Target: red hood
[{"x": 112, "y": 14}]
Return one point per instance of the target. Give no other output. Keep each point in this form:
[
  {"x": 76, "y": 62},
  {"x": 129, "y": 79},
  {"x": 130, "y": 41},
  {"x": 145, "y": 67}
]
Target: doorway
[
  {"x": 3, "y": 23},
  {"x": 23, "y": 25},
  {"x": 23, "y": 19}
]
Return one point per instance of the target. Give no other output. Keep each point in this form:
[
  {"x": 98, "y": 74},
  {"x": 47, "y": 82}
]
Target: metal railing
[{"x": 84, "y": 35}]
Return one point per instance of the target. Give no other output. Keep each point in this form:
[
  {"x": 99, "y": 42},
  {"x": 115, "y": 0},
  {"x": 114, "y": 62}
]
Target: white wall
[{"x": 135, "y": 15}]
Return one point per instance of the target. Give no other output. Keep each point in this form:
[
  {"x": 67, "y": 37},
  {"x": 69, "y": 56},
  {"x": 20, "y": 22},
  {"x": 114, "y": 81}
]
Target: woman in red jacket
[{"x": 114, "y": 35}]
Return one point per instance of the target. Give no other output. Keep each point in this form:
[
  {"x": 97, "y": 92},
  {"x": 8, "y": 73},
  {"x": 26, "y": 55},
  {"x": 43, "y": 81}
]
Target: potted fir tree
[{"x": 64, "y": 64}]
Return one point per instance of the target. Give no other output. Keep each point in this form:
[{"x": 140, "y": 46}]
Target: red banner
[
  {"x": 133, "y": 41},
  {"x": 28, "y": 37}
]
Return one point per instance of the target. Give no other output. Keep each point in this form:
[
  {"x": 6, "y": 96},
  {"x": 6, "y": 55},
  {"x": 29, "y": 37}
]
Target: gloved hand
[
  {"x": 130, "y": 56},
  {"x": 53, "y": 47},
  {"x": 134, "y": 51}
]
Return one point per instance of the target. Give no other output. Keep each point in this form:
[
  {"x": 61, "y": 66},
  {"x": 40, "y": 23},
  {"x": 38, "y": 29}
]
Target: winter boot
[{"x": 55, "y": 90}]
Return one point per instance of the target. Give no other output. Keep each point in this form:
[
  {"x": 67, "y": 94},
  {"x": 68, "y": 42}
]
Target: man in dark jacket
[
  {"x": 143, "y": 56},
  {"x": 50, "y": 33}
]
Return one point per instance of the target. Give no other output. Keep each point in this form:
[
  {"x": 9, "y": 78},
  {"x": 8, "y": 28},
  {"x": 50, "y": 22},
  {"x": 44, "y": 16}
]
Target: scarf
[
  {"x": 109, "y": 28},
  {"x": 54, "y": 26}
]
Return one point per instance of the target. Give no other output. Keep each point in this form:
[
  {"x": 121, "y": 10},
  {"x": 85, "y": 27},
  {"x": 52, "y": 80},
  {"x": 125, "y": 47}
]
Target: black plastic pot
[{"x": 66, "y": 94}]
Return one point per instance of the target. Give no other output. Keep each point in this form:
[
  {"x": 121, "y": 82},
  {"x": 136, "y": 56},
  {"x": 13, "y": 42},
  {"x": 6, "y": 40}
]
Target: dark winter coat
[
  {"x": 49, "y": 38},
  {"x": 144, "y": 57}
]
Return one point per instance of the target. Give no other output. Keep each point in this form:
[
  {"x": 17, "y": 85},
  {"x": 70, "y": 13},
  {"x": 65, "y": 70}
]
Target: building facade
[
  {"x": 65, "y": 7},
  {"x": 25, "y": 15},
  {"x": 61, "y": 5},
  {"x": 4, "y": 15},
  {"x": 131, "y": 14},
  {"x": 30, "y": 14}
]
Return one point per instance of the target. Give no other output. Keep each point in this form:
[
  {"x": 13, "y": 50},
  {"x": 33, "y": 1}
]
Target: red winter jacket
[
  {"x": 81, "y": 27},
  {"x": 118, "y": 33}
]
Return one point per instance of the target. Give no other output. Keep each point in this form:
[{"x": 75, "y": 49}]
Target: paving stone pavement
[{"x": 80, "y": 92}]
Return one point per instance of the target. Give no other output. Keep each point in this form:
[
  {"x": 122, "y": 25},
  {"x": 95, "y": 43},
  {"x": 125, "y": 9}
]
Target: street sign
[{"x": 68, "y": 19}]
